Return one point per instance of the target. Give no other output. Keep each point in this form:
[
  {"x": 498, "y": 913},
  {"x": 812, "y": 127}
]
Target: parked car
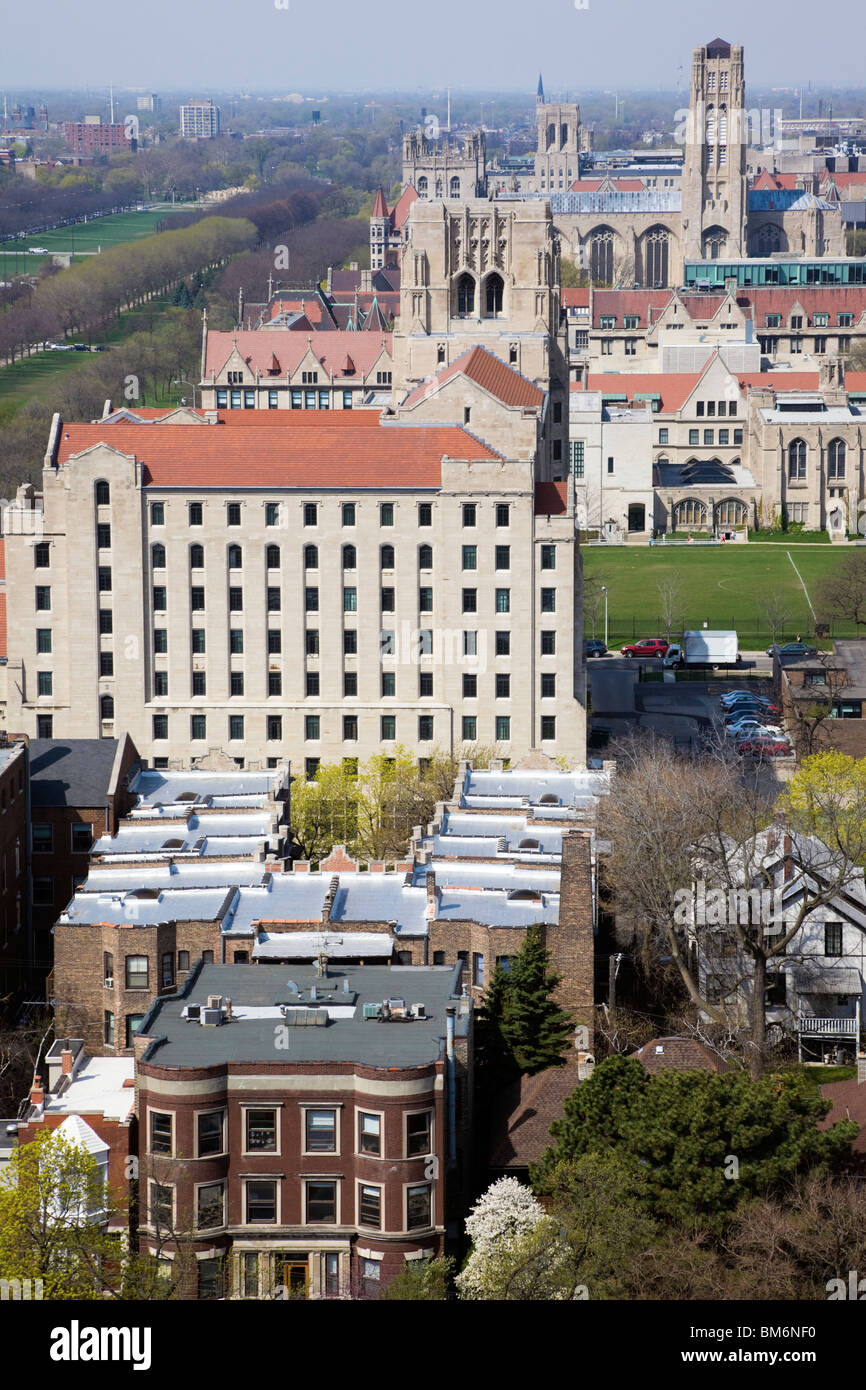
[
  {"x": 731, "y": 696},
  {"x": 646, "y": 647},
  {"x": 750, "y": 728},
  {"x": 793, "y": 649},
  {"x": 760, "y": 746},
  {"x": 761, "y": 716},
  {"x": 594, "y": 647},
  {"x": 743, "y": 706}
]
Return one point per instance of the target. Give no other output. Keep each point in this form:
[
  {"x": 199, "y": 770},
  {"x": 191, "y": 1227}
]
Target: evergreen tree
[
  {"x": 495, "y": 1059},
  {"x": 534, "y": 1028},
  {"x": 182, "y": 297}
]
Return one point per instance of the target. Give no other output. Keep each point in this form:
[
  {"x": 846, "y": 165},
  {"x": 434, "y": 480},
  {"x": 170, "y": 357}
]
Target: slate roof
[
  {"x": 71, "y": 772},
  {"x": 520, "y": 1126}
]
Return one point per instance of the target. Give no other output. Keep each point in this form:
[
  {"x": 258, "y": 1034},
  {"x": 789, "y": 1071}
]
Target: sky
[{"x": 199, "y": 46}]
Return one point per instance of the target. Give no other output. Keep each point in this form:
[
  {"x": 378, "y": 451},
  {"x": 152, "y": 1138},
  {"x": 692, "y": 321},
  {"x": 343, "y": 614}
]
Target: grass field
[
  {"x": 83, "y": 236},
  {"x": 720, "y": 585},
  {"x": 32, "y": 377}
]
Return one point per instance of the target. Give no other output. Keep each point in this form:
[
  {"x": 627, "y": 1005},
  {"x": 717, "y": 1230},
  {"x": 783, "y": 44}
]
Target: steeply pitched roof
[
  {"x": 674, "y": 388},
  {"x": 259, "y": 349},
  {"x": 574, "y": 298},
  {"x": 683, "y": 1054},
  {"x": 402, "y": 206},
  {"x": 71, "y": 772},
  {"x": 345, "y": 454},
  {"x": 488, "y": 372},
  {"x": 520, "y": 1128},
  {"x": 380, "y": 207}
]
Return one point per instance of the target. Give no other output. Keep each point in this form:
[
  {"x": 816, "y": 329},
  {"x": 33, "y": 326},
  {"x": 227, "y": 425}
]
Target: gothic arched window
[
  {"x": 493, "y": 287},
  {"x": 796, "y": 460},
  {"x": 656, "y": 246},
  {"x": 465, "y": 294},
  {"x": 601, "y": 256},
  {"x": 836, "y": 459}
]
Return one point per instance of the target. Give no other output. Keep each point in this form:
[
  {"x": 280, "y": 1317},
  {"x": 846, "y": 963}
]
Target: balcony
[{"x": 813, "y": 1025}]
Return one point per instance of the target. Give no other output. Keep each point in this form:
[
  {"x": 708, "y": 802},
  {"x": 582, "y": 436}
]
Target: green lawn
[
  {"x": 719, "y": 585},
  {"x": 82, "y": 236}
]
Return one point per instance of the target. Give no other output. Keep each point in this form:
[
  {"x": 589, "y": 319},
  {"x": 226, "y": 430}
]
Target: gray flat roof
[
  {"x": 153, "y": 785},
  {"x": 256, "y": 993},
  {"x": 70, "y": 772}
]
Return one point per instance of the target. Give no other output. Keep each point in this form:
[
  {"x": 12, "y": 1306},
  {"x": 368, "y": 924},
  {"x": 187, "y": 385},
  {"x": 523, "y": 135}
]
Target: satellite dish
[{"x": 431, "y": 127}]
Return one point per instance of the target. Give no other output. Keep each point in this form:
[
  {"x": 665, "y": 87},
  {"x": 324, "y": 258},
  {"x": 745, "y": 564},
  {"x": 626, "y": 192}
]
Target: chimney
[
  {"x": 366, "y": 280},
  {"x": 66, "y": 1062},
  {"x": 431, "y": 886},
  {"x": 37, "y": 1095}
]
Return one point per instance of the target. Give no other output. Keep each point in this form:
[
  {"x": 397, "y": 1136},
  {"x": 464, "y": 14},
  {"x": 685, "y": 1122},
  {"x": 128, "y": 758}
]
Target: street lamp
[
  {"x": 604, "y": 591},
  {"x": 179, "y": 381}
]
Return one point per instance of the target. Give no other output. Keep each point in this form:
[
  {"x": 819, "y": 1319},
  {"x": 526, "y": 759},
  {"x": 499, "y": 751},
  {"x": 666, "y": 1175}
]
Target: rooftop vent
[
  {"x": 548, "y": 799},
  {"x": 145, "y": 894},
  {"x": 524, "y": 895},
  {"x": 529, "y": 844},
  {"x": 186, "y": 796},
  {"x": 173, "y": 844}
]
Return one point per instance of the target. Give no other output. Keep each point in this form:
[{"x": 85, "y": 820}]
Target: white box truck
[{"x": 705, "y": 648}]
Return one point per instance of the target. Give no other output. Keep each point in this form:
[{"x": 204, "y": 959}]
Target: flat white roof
[{"x": 98, "y": 1088}]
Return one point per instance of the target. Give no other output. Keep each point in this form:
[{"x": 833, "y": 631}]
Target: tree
[
  {"x": 514, "y": 1246},
  {"x": 701, "y": 1142},
  {"x": 826, "y": 797},
  {"x": 774, "y": 609},
  {"x": 571, "y": 276},
  {"x": 534, "y": 1029},
  {"x": 325, "y": 811},
  {"x": 841, "y": 593},
  {"x": 803, "y": 1247},
  {"x": 421, "y": 1281},
  {"x": 671, "y": 601}
]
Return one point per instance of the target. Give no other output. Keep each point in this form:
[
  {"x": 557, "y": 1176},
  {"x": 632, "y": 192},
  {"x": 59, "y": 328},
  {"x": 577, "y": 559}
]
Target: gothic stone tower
[
  {"x": 558, "y": 144},
  {"x": 714, "y": 172},
  {"x": 445, "y": 168}
]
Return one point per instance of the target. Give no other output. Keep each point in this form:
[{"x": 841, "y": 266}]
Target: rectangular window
[
  {"x": 273, "y": 600},
  {"x": 425, "y": 600},
  {"x": 350, "y": 728},
  {"x": 470, "y": 600},
  {"x": 503, "y": 600},
  {"x": 548, "y": 557},
  {"x": 425, "y": 514},
  {"x": 577, "y": 456},
  {"x": 197, "y": 727},
  {"x": 160, "y": 1132},
  {"x": 199, "y": 683},
  {"x": 370, "y": 1206},
  {"x": 418, "y": 1134},
  {"x": 108, "y": 1028},
  {"x": 321, "y": 1203},
  {"x": 386, "y": 514},
  {"x": 724, "y": 436},
  {"x": 103, "y": 574},
  {"x": 832, "y": 938},
  {"x": 43, "y": 892},
  {"x": 470, "y": 686},
  {"x": 161, "y": 1206},
  {"x": 502, "y": 557},
  {"x": 275, "y": 683},
  {"x": 43, "y": 641},
  {"x": 470, "y": 557},
  {"x": 311, "y": 768},
  {"x": 210, "y": 1133},
  {"x": 709, "y": 436},
  {"x": 236, "y": 643},
  {"x": 320, "y": 1128},
  {"x": 209, "y": 1206},
  {"x": 548, "y": 643},
  {"x": 44, "y": 726},
  {"x": 183, "y": 960},
  {"x": 350, "y": 598},
  {"x": 261, "y": 1131},
  {"x": 106, "y": 663},
  {"x": 468, "y": 513},
  {"x": 369, "y": 1133},
  {"x": 42, "y": 839},
  {"x": 694, "y": 436},
  {"x": 503, "y": 728},
  {"x": 160, "y": 726},
  {"x": 738, "y": 436},
  {"x": 136, "y": 972},
  {"x": 261, "y": 1202},
  {"x": 548, "y": 685},
  {"x": 236, "y": 599},
  {"x": 274, "y": 728},
  {"x": 272, "y": 513},
  {"x": 236, "y": 727},
  {"x": 478, "y": 969},
  {"x": 196, "y": 514},
  {"x": 548, "y": 600},
  {"x": 470, "y": 728},
  {"x": 350, "y": 683},
  {"x": 418, "y": 1206},
  {"x": 275, "y": 641},
  {"x": 311, "y": 600},
  {"x": 425, "y": 727},
  {"x": 425, "y": 684},
  {"x": 503, "y": 514},
  {"x": 44, "y": 682},
  {"x": 106, "y": 621},
  {"x": 43, "y": 597},
  {"x": 312, "y": 724},
  {"x": 663, "y": 436},
  {"x": 389, "y": 683},
  {"x": 157, "y": 513},
  {"x": 197, "y": 640},
  {"x": 503, "y": 686},
  {"x": 82, "y": 837},
  {"x": 389, "y": 727},
  {"x": 548, "y": 726},
  {"x": 311, "y": 513},
  {"x": 236, "y": 683},
  {"x": 350, "y": 641}
]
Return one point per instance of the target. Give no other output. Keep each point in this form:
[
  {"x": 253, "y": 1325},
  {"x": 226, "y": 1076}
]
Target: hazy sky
[{"x": 314, "y": 45}]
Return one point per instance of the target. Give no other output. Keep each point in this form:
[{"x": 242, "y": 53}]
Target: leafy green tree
[
  {"x": 421, "y": 1281},
  {"x": 702, "y": 1142},
  {"x": 534, "y": 1028}
]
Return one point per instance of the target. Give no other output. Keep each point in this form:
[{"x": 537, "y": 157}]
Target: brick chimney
[
  {"x": 37, "y": 1095},
  {"x": 66, "y": 1062}
]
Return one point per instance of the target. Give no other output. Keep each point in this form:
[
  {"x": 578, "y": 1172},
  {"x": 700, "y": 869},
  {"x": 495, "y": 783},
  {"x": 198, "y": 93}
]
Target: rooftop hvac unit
[
  {"x": 372, "y": 1011},
  {"x": 214, "y": 1001},
  {"x": 419, "y": 1011},
  {"x": 211, "y": 1018},
  {"x": 193, "y": 1012}
]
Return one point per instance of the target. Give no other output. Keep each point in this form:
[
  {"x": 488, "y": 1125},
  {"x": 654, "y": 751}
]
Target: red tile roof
[
  {"x": 768, "y": 180},
  {"x": 684, "y": 1054},
  {"x": 308, "y": 305},
  {"x": 585, "y": 186},
  {"x": 646, "y": 304},
  {"x": 551, "y": 499},
  {"x": 702, "y": 306},
  {"x": 574, "y": 298},
  {"x": 267, "y": 419},
  {"x": 489, "y": 372},
  {"x": 380, "y": 207},
  {"x": 401, "y": 207},
  {"x": 844, "y": 181},
  {"x": 341, "y": 455},
  {"x": 826, "y": 299},
  {"x": 779, "y": 381},
  {"x": 673, "y": 387},
  {"x": 855, "y": 381},
  {"x": 258, "y": 349}
]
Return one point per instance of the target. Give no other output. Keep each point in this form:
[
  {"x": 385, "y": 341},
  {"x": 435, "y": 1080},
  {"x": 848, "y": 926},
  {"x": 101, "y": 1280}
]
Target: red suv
[{"x": 647, "y": 646}]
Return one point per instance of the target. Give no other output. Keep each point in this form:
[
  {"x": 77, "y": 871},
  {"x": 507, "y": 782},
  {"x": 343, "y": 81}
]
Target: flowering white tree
[{"x": 517, "y": 1251}]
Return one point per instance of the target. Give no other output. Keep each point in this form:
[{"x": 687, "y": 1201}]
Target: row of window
[
  {"x": 387, "y": 598},
  {"x": 81, "y": 838},
  {"x": 820, "y": 320},
  {"x": 387, "y": 726},
  {"x": 321, "y": 1204},
  {"x": 798, "y": 454},
  {"x": 422, "y": 640},
  {"x": 709, "y": 437},
  {"x": 321, "y": 1132},
  {"x": 349, "y": 555},
  {"x": 276, "y": 513}
]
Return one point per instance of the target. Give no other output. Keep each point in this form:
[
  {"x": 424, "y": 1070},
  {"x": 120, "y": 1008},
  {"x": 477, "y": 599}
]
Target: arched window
[
  {"x": 563, "y": 135},
  {"x": 196, "y": 557},
  {"x": 425, "y": 557},
  {"x": 454, "y": 187},
  {"x": 723, "y": 125},
  {"x": 732, "y": 512},
  {"x": 493, "y": 287},
  {"x": 715, "y": 241},
  {"x": 103, "y": 493},
  {"x": 690, "y": 512},
  {"x": 350, "y": 557},
  {"x": 272, "y": 557},
  {"x": 422, "y": 187},
  {"x": 796, "y": 460},
  {"x": 465, "y": 294},
  {"x": 157, "y": 557},
  {"x": 836, "y": 459},
  {"x": 768, "y": 240},
  {"x": 438, "y": 188},
  {"x": 711, "y": 130},
  {"x": 236, "y": 558},
  {"x": 311, "y": 557},
  {"x": 106, "y": 707},
  {"x": 387, "y": 557},
  {"x": 551, "y": 135},
  {"x": 601, "y": 256},
  {"x": 656, "y": 245}
]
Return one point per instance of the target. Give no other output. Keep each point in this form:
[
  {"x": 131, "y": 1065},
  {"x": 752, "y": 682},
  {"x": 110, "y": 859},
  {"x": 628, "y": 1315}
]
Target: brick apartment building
[
  {"x": 96, "y": 137},
  {"x": 823, "y": 698},
  {"x": 78, "y": 792},
  {"x": 316, "y": 1158}
]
